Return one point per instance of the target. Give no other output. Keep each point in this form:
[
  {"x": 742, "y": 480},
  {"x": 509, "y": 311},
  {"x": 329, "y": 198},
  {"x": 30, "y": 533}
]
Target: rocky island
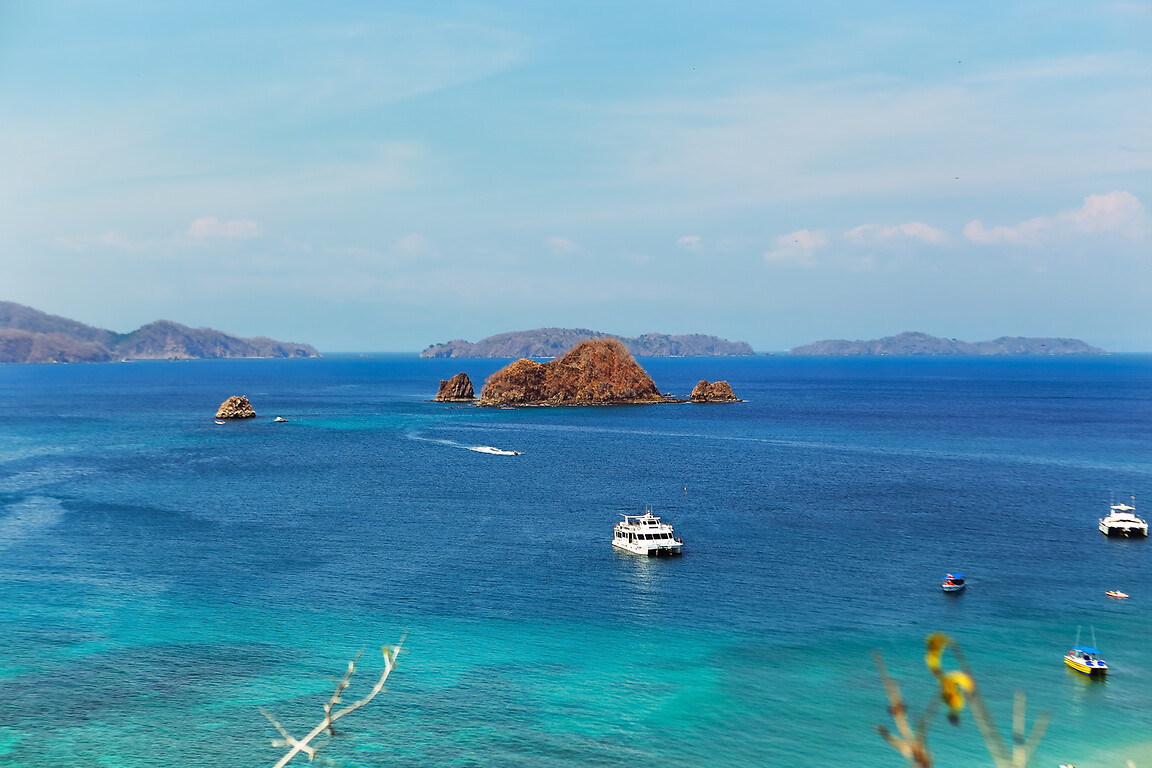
[
  {"x": 236, "y": 407},
  {"x": 594, "y": 372},
  {"x": 457, "y": 389},
  {"x": 28, "y": 335},
  {"x": 713, "y": 392},
  {"x": 551, "y": 342},
  {"x": 912, "y": 343}
]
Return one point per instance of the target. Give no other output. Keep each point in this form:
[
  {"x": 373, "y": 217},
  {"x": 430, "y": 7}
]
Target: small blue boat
[{"x": 953, "y": 582}]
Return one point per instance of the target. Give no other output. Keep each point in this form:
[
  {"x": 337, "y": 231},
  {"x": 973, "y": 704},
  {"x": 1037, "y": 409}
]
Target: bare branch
[
  {"x": 988, "y": 730},
  {"x": 287, "y": 741},
  {"x": 912, "y": 741},
  {"x": 303, "y": 745},
  {"x": 909, "y": 743}
]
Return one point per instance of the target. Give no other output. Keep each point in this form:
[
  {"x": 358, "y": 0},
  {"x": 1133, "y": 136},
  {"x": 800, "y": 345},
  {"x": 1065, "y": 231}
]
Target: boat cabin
[{"x": 646, "y": 535}]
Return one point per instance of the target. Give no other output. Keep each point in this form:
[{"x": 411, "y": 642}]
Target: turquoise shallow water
[{"x": 162, "y": 577}]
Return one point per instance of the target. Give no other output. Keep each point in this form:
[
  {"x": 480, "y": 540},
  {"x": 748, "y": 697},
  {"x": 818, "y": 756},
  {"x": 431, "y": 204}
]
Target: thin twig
[
  {"x": 909, "y": 744},
  {"x": 988, "y": 730},
  {"x": 302, "y": 745}
]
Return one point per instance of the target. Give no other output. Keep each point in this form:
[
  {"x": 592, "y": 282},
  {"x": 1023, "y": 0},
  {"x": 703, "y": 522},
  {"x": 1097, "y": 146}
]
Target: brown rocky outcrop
[
  {"x": 718, "y": 392},
  {"x": 456, "y": 389},
  {"x": 596, "y": 372},
  {"x": 236, "y": 407}
]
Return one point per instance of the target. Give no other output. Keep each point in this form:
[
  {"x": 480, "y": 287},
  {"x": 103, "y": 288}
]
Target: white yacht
[
  {"x": 646, "y": 535},
  {"x": 1122, "y": 521}
]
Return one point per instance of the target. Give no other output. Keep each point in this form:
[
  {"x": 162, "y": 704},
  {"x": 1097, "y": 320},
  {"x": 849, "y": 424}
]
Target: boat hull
[
  {"x": 1120, "y": 531},
  {"x": 953, "y": 587},
  {"x": 1099, "y": 669},
  {"x": 663, "y": 551}
]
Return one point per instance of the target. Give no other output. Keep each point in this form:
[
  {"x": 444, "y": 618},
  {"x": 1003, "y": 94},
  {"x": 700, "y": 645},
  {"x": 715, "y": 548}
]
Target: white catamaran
[
  {"x": 1122, "y": 521},
  {"x": 646, "y": 535}
]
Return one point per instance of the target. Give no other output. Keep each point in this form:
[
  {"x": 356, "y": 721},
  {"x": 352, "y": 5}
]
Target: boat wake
[{"x": 491, "y": 450}]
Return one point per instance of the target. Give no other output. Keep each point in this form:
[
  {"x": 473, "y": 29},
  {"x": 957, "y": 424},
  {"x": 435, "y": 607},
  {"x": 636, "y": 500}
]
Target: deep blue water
[{"x": 162, "y": 577}]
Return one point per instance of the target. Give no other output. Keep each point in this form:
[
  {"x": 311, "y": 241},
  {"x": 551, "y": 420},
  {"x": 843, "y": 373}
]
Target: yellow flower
[
  {"x": 953, "y": 686},
  {"x": 936, "y": 642}
]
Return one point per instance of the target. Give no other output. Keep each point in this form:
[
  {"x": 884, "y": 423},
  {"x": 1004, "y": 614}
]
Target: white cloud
[
  {"x": 199, "y": 233},
  {"x": 1118, "y": 212},
  {"x": 210, "y": 227},
  {"x": 796, "y": 247},
  {"x": 1125, "y": 8},
  {"x": 561, "y": 246},
  {"x": 415, "y": 245},
  {"x": 978, "y": 233},
  {"x": 914, "y": 230},
  {"x": 102, "y": 240},
  {"x": 690, "y": 242}
]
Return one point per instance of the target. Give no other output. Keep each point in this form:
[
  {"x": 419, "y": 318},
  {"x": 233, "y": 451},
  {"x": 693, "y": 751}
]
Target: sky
[{"x": 381, "y": 176}]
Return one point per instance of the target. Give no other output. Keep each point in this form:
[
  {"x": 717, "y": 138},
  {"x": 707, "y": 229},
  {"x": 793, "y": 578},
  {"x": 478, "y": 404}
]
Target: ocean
[{"x": 163, "y": 578}]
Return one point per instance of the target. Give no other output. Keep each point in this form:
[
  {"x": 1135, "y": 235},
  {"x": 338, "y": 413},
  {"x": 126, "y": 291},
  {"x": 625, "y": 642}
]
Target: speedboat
[
  {"x": 1122, "y": 521},
  {"x": 1116, "y": 593},
  {"x": 280, "y": 419},
  {"x": 646, "y": 535},
  {"x": 1086, "y": 660},
  {"x": 953, "y": 582},
  {"x": 493, "y": 451}
]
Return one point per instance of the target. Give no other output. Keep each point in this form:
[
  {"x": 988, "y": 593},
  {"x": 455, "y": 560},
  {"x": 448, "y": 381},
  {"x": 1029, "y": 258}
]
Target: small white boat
[
  {"x": 280, "y": 419},
  {"x": 492, "y": 450},
  {"x": 1086, "y": 660},
  {"x": 219, "y": 422},
  {"x": 1122, "y": 521},
  {"x": 646, "y": 534},
  {"x": 953, "y": 582}
]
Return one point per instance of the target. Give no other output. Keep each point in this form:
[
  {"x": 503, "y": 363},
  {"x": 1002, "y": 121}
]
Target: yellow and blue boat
[{"x": 1086, "y": 660}]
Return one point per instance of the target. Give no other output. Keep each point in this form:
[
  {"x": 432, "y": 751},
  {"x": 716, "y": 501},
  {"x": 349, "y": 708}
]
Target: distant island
[
  {"x": 28, "y": 335},
  {"x": 551, "y": 342},
  {"x": 912, "y": 343}
]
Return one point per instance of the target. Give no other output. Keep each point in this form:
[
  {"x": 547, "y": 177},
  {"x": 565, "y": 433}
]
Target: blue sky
[{"x": 386, "y": 175}]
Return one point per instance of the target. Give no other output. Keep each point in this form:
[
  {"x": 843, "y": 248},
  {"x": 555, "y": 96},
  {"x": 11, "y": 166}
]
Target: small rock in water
[
  {"x": 455, "y": 389},
  {"x": 236, "y": 407},
  {"x": 718, "y": 392}
]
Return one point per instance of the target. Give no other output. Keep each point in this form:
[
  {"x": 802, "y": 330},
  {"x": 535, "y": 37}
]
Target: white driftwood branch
[{"x": 303, "y": 745}]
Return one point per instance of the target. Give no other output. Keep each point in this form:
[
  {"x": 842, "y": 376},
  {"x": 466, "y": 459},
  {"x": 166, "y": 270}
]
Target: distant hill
[
  {"x": 550, "y": 342},
  {"x": 30, "y": 336},
  {"x": 922, "y": 344},
  {"x": 18, "y": 317}
]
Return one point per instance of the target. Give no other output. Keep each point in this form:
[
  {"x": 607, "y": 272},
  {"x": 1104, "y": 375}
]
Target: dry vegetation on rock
[
  {"x": 456, "y": 389},
  {"x": 716, "y": 392},
  {"x": 599, "y": 371}
]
